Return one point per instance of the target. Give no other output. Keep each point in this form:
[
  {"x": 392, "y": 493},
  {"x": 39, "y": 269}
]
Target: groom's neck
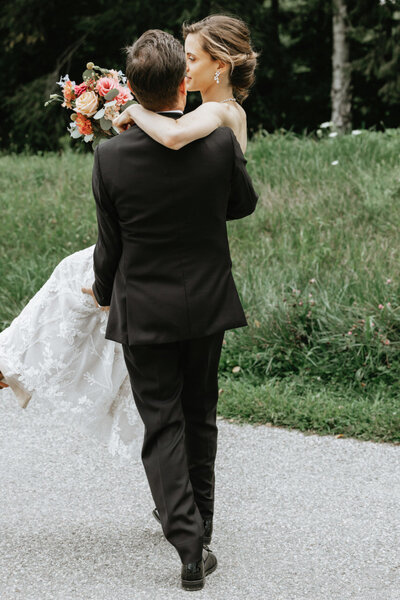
[{"x": 176, "y": 106}]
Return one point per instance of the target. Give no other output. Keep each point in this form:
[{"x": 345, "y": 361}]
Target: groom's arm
[
  {"x": 108, "y": 248},
  {"x": 243, "y": 198}
]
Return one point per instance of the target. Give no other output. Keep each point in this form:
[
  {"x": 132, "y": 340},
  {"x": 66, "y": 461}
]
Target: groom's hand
[{"x": 89, "y": 291}]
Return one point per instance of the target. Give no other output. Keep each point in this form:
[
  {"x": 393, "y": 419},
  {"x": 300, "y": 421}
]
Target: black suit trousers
[{"x": 175, "y": 387}]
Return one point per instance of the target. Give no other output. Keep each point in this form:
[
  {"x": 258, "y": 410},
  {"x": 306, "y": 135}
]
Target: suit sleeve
[
  {"x": 108, "y": 247},
  {"x": 243, "y": 198}
]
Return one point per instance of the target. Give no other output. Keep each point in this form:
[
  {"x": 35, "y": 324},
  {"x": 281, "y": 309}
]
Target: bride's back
[{"x": 237, "y": 119}]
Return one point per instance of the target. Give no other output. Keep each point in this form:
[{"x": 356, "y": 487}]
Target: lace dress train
[{"x": 55, "y": 350}]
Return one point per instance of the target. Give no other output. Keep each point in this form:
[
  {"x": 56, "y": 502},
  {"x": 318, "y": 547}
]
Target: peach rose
[
  {"x": 87, "y": 104},
  {"x": 105, "y": 84},
  {"x": 123, "y": 96}
]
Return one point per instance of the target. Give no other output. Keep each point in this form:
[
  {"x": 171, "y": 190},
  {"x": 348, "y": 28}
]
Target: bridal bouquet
[{"x": 102, "y": 96}]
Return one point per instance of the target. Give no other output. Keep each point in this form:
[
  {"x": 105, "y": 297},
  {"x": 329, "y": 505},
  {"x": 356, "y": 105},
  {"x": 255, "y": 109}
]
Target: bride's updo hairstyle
[{"x": 228, "y": 39}]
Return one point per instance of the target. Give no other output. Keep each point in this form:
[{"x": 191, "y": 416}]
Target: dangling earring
[{"x": 216, "y": 76}]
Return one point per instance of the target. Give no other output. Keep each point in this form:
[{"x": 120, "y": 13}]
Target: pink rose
[
  {"x": 123, "y": 96},
  {"x": 105, "y": 84},
  {"x": 80, "y": 89}
]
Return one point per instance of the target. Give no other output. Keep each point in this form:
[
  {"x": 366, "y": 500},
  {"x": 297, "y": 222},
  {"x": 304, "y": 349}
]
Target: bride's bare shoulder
[
  {"x": 232, "y": 115},
  {"x": 238, "y": 123}
]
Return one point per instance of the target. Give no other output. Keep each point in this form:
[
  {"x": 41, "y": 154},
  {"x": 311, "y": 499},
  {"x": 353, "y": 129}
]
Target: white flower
[
  {"x": 356, "y": 132},
  {"x": 335, "y": 162},
  {"x": 333, "y": 134},
  {"x": 326, "y": 124},
  {"x": 122, "y": 77},
  {"x": 63, "y": 81}
]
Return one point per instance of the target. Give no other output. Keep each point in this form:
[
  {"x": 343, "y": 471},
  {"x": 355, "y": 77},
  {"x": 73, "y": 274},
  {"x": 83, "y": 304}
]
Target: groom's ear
[{"x": 182, "y": 87}]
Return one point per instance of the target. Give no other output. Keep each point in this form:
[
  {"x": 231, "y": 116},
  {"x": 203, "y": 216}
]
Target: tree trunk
[
  {"x": 276, "y": 56},
  {"x": 341, "y": 69}
]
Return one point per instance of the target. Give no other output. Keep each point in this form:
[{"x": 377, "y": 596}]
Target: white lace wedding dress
[{"x": 55, "y": 350}]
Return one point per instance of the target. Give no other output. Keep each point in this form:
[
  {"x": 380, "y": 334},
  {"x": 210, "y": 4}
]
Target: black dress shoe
[
  {"x": 208, "y": 526},
  {"x": 193, "y": 575}
]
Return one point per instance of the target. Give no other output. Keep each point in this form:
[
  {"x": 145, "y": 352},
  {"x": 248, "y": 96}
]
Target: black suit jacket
[{"x": 162, "y": 258}]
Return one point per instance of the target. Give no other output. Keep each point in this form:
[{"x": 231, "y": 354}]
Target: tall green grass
[
  {"x": 318, "y": 263},
  {"x": 46, "y": 212},
  {"x": 317, "y": 267}
]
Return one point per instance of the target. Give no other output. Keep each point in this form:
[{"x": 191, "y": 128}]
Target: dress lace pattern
[{"x": 55, "y": 351}]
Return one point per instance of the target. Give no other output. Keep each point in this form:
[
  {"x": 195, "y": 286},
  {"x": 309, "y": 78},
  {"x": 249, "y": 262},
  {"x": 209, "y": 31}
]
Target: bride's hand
[
  {"x": 126, "y": 119},
  {"x": 90, "y": 293}
]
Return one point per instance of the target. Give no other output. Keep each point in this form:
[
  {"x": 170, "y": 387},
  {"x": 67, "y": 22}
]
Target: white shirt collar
[{"x": 179, "y": 112}]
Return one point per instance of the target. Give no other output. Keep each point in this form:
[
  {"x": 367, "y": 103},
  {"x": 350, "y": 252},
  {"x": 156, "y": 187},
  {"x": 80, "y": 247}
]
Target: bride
[{"x": 55, "y": 348}]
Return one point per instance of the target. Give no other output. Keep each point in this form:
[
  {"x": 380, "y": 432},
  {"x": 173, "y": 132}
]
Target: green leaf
[
  {"x": 88, "y": 74},
  {"x": 129, "y": 103},
  {"x": 76, "y": 134},
  {"x": 100, "y": 113},
  {"x": 105, "y": 124},
  {"x": 111, "y": 94}
]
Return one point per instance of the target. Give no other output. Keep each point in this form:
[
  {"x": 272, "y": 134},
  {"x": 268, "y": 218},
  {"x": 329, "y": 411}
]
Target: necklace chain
[{"x": 228, "y": 100}]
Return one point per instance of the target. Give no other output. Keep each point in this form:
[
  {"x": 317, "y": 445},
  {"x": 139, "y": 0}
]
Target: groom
[{"x": 162, "y": 263}]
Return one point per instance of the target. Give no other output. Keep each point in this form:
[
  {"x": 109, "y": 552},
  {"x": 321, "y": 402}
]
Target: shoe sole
[
  {"x": 199, "y": 583},
  {"x": 206, "y": 540}
]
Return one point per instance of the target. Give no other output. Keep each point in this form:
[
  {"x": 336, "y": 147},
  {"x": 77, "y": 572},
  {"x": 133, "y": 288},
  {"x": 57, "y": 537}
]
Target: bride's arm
[{"x": 176, "y": 133}]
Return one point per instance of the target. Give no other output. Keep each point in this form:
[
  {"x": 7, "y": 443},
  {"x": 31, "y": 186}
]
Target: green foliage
[
  {"x": 26, "y": 124},
  {"x": 308, "y": 405},
  {"x": 47, "y": 212},
  {"x": 317, "y": 263},
  {"x": 375, "y": 44}
]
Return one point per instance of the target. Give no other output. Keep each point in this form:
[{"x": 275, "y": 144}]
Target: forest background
[{"x": 41, "y": 40}]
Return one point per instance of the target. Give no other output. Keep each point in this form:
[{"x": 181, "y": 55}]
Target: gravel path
[{"x": 297, "y": 517}]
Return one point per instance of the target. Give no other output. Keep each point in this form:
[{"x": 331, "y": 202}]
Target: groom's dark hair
[{"x": 155, "y": 66}]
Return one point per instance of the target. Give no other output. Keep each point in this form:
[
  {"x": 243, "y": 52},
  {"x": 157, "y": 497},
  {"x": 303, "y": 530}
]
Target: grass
[{"x": 316, "y": 267}]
